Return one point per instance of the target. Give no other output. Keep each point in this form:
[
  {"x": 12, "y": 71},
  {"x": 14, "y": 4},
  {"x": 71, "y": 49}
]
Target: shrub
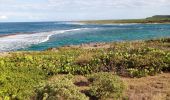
[
  {"x": 60, "y": 89},
  {"x": 167, "y": 61},
  {"x": 84, "y": 58},
  {"x": 17, "y": 80},
  {"x": 137, "y": 73},
  {"x": 105, "y": 85},
  {"x": 150, "y": 63}
]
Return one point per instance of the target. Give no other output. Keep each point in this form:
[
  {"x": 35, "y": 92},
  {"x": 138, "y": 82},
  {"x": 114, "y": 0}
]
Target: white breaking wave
[
  {"x": 75, "y": 23},
  {"x": 19, "y": 41}
]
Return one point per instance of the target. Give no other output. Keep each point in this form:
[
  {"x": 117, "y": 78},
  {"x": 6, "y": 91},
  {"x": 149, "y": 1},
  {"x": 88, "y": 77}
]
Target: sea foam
[{"x": 20, "y": 41}]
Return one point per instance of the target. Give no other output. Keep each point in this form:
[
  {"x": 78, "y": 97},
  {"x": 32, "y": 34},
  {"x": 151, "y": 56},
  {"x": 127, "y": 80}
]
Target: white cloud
[
  {"x": 3, "y": 17},
  {"x": 48, "y": 9},
  {"x": 113, "y": 3},
  {"x": 61, "y": 5}
]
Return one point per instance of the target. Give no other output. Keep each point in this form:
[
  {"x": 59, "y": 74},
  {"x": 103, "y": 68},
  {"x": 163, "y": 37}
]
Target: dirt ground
[{"x": 148, "y": 88}]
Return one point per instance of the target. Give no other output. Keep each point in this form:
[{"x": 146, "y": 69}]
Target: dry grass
[
  {"x": 148, "y": 88},
  {"x": 84, "y": 58},
  {"x": 4, "y": 54}
]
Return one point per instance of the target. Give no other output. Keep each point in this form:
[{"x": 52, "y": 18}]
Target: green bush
[
  {"x": 60, "y": 89},
  {"x": 137, "y": 73},
  {"x": 105, "y": 86},
  {"x": 150, "y": 63},
  {"x": 145, "y": 61},
  {"x": 167, "y": 61},
  {"x": 17, "y": 80}
]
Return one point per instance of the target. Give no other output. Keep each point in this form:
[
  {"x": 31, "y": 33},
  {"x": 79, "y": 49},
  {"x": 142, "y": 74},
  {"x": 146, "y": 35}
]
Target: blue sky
[{"x": 60, "y": 10}]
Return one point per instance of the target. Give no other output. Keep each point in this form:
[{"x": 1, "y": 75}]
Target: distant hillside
[
  {"x": 159, "y": 17},
  {"x": 153, "y": 19}
]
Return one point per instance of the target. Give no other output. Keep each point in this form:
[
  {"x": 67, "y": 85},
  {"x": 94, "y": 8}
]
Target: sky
[{"x": 68, "y": 10}]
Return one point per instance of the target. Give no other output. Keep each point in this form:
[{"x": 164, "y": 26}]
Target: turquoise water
[{"x": 44, "y": 35}]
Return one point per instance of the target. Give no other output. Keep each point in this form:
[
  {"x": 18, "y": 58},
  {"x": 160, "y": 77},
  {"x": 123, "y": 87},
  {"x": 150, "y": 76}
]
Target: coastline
[
  {"x": 91, "y": 45},
  {"x": 5, "y": 35},
  {"x": 105, "y": 23},
  {"x": 106, "y": 45},
  {"x": 128, "y": 21},
  {"x": 13, "y": 34}
]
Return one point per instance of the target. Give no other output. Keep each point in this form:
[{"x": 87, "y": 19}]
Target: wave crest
[{"x": 20, "y": 41}]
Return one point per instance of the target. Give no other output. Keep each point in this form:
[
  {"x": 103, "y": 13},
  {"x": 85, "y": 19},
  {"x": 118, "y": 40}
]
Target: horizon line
[{"x": 69, "y": 20}]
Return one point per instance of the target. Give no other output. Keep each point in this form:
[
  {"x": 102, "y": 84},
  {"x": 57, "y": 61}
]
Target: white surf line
[{"x": 14, "y": 42}]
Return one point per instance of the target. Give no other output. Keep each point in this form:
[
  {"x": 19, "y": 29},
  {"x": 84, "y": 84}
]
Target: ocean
[{"x": 37, "y": 36}]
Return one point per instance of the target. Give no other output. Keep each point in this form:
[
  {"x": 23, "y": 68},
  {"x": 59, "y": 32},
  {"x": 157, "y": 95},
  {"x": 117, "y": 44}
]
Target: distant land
[{"x": 153, "y": 19}]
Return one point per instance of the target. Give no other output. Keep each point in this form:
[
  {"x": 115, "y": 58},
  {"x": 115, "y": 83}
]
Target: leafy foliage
[
  {"x": 60, "y": 89},
  {"x": 105, "y": 86}
]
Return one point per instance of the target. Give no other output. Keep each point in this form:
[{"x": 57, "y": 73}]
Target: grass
[{"x": 22, "y": 72}]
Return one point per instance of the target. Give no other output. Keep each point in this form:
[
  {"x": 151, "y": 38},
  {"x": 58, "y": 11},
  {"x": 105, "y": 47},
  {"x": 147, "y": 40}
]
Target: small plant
[
  {"x": 60, "y": 89},
  {"x": 137, "y": 73},
  {"x": 105, "y": 85},
  {"x": 84, "y": 58}
]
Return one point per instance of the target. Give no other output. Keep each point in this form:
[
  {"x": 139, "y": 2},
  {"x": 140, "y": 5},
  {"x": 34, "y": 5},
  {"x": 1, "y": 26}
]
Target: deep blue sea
[{"x": 43, "y": 35}]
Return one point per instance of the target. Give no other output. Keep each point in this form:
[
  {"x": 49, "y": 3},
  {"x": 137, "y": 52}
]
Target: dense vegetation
[
  {"x": 153, "y": 19},
  {"x": 21, "y": 73}
]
